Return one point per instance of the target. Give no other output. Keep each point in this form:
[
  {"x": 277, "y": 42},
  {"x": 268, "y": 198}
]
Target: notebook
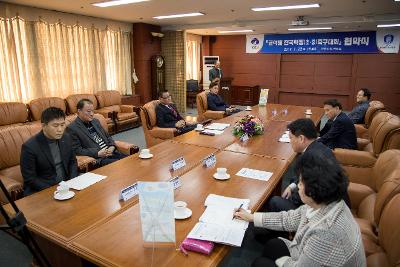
[
  {"x": 84, "y": 180},
  {"x": 216, "y": 223}
]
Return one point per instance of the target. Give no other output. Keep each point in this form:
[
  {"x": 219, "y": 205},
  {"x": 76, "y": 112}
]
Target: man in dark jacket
[
  {"x": 357, "y": 115},
  {"x": 215, "y": 72},
  {"x": 169, "y": 117},
  {"x": 89, "y": 138},
  {"x": 340, "y": 132},
  {"x": 47, "y": 158},
  {"x": 215, "y": 102}
]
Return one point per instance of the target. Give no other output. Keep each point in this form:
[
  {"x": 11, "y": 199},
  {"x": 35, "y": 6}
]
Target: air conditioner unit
[
  {"x": 208, "y": 63},
  {"x": 299, "y": 22}
]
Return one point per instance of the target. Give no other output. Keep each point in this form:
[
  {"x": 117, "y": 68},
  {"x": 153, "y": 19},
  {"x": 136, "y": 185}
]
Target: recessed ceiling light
[
  {"x": 179, "y": 15},
  {"x": 117, "y": 3},
  {"x": 273, "y": 8},
  {"x": 387, "y": 25},
  {"x": 310, "y": 29},
  {"x": 236, "y": 31}
]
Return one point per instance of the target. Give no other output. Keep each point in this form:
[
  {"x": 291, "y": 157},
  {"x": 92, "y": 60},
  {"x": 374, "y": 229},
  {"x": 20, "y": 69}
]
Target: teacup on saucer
[
  {"x": 145, "y": 154},
  {"x": 248, "y": 108}
]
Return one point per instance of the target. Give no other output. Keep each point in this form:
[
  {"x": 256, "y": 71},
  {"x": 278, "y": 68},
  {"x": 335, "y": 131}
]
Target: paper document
[
  {"x": 254, "y": 174},
  {"x": 216, "y": 132},
  {"x": 85, "y": 180},
  {"x": 218, "y": 126},
  {"x": 217, "y": 200},
  {"x": 222, "y": 216}
]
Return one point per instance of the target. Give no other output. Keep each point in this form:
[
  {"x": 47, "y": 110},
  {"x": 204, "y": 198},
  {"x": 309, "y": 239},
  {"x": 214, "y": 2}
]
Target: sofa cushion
[
  {"x": 72, "y": 101},
  {"x": 370, "y": 246},
  {"x": 378, "y": 260},
  {"x": 37, "y": 106},
  {"x": 108, "y": 98},
  {"x": 13, "y": 172},
  {"x": 368, "y": 229},
  {"x": 357, "y": 193},
  {"x": 126, "y": 116},
  {"x": 12, "y": 113},
  {"x": 163, "y": 133},
  {"x": 366, "y": 208}
]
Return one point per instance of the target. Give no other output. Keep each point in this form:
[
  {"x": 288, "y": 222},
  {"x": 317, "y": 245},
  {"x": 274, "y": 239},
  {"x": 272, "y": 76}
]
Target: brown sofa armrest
[
  {"x": 126, "y": 148},
  {"x": 357, "y": 193},
  {"x": 215, "y": 115},
  {"x": 127, "y": 108},
  {"x": 105, "y": 113},
  {"x": 350, "y": 157},
  {"x": 85, "y": 163},
  {"x": 163, "y": 133},
  {"x": 361, "y": 131},
  {"x": 362, "y": 143},
  {"x": 14, "y": 188}
]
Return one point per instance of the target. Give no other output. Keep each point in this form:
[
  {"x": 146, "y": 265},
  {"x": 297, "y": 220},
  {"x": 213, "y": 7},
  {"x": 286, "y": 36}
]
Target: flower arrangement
[{"x": 248, "y": 126}]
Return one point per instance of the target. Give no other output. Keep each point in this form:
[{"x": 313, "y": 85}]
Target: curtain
[
  {"x": 193, "y": 45},
  {"x": 39, "y": 59}
]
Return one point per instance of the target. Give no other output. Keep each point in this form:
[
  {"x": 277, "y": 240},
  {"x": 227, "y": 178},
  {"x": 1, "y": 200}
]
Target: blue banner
[{"x": 313, "y": 43}]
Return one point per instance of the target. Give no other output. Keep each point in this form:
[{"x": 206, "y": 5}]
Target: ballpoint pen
[{"x": 241, "y": 205}]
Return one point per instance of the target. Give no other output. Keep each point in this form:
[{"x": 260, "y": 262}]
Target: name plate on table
[
  {"x": 178, "y": 163},
  {"x": 210, "y": 161},
  {"x": 176, "y": 182},
  {"x": 129, "y": 192}
]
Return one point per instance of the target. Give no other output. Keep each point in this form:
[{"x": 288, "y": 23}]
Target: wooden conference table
[{"x": 96, "y": 226}]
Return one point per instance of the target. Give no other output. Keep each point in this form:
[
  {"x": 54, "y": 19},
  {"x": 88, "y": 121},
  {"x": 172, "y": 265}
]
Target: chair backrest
[
  {"x": 11, "y": 141},
  {"x": 374, "y": 108},
  {"x": 148, "y": 114},
  {"x": 108, "y": 98},
  {"x": 72, "y": 101},
  {"x": 13, "y": 112},
  {"x": 389, "y": 231},
  {"x": 201, "y": 103},
  {"x": 37, "y": 106},
  {"x": 384, "y": 126},
  {"x": 386, "y": 163}
]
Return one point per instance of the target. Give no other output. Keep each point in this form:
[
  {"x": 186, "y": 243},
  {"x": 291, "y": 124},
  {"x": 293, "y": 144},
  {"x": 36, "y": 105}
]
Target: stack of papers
[
  {"x": 285, "y": 137},
  {"x": 216, "y": 132},
  {"x": 216, "y": 223},
  {"x": 218, "y": 126},
  {"x": 254, "y": 174},
  {"x": 85, "y": 180}
]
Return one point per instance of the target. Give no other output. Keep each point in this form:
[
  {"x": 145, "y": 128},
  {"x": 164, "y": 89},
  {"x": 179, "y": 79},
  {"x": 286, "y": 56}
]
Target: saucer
[
  {"x": 216, "y": 176},
  {"x": 149, "y": 156},
  {"x": 308, "y": 113},
  {"x": 248, "y": 109},
  {"x": 188, "y": 213},
  {"x": 66, "y": 196},
  {"x": 199, "y": 129}
]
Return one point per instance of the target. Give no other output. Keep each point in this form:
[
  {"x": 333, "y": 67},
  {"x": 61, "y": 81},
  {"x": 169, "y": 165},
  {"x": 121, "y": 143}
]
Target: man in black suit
[
  {"x": 340, "y": 131},
  {"x": 215, "y": 72},
  {"x": 169, "y": 117},
  {"x": 303, "y": 135},
  {"x": 357, "y": 115},
  {"x": 89, "y": 138},
  {"x": 47, "y": 158},
  {"x": 215, "y": 102}
]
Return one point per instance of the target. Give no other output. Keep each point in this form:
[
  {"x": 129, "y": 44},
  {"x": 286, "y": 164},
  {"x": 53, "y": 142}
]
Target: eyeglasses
[{"x": 166, "y": 97}]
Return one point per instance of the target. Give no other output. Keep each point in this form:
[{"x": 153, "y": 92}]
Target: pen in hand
[{"x": 241, "y": 205}]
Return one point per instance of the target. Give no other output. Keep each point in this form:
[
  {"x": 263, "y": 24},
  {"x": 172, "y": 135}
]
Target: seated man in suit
[
  {"x": 169, "y": 117},
  {"x": 340, "y": 132},
  {"x": 89, "y": 138},
  {"x": 47, "y": 158},
  {"x": 215, "y": 102},
  {"x": 357, "y": 115},
  {"x": 303, "y": 135}
]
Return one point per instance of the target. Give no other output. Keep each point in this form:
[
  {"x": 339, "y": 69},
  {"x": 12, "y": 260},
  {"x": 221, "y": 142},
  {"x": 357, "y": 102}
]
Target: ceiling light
[
  {"x": 179, "y": 15},
  {"x": 310, "y": 29},
  {"x": 273, "y": 8},
  {"x": 117, "y": 3},
  {"x": 388, "y": 25},
  {"x": 236, "y": 31}
]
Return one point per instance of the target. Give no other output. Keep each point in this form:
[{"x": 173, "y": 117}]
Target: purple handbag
[{"x": 201, "y": 246}]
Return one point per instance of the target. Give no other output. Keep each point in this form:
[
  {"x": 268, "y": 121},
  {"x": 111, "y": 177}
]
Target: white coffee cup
[
  {"x": 62, "y": 189},
  {"x": 221, "y": 172},
  {"x": 199, "y": 126},
  {"x": 308, "y": 111},
  {"x": 248, "y": 107},
  {"x": 180, "y": 208},
  {"x": 145, "y": 152}
]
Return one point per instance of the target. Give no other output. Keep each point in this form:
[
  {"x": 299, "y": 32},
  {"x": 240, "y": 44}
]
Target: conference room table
[{"x": 96, "y": 226}]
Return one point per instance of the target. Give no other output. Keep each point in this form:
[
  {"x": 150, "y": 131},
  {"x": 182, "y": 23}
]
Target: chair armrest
[
  {"x": 163, "y": 133},
  {"x": 361, "y": 131},
  {"x": 357, "y": 193},
  {"x": 126, "y": 148},
  {"x": 215, "y": 115},
  {"x": 14, "y": 188},
  {"x": 85, "y": 163},
  {"x": 105, "y": 113},
  {"x": 127, "y": 108},
  {"x": 362, "y": 143}
]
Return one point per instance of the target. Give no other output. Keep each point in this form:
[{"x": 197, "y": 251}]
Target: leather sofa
[
  {"x": 37, "y": 106},
  {"x": 72, "y": 101},
  {"x": 374, "y": 108},
  {"x": 202, "y": 109},
  {"x": 125, "y": 116},
  {"x": 153, "y": 134},
  {"x": 388, "y": 246},
  {"x": 13, "y": 114}
]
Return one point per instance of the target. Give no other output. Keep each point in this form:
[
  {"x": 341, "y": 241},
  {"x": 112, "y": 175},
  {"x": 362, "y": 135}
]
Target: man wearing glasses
[{"x": 168, "y": 115}]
